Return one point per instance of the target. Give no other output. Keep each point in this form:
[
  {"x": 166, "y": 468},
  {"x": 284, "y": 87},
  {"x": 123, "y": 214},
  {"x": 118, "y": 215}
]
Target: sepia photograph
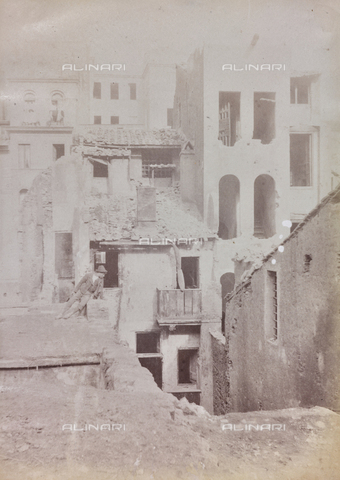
[{"x": 170, "y": 239}]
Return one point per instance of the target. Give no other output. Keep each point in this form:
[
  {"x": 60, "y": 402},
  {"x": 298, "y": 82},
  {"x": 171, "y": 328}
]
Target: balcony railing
[{"x": 179, "y": 304}]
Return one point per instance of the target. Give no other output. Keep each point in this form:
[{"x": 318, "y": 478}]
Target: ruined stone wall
[
  {"x": 37, "y": 277},
  {"x": 300, "y": 368},
  {"x": 219, "y": 348},
  {"x": 188, "y": 116}
]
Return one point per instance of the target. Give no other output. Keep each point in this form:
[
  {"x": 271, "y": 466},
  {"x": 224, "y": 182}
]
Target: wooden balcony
[{"x": 177, "y": 306}]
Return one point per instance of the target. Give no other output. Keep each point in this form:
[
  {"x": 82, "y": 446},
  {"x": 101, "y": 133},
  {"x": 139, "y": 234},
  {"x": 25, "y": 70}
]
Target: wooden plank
[
  {"x": 180, "y": 303},
  {"x": 23, "y": 363},
  {"x": 188, "y": 294},
  {"x": 172, "y": 303}
]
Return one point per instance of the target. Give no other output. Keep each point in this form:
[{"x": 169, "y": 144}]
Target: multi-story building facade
[
  {"x": 264, "y": 133},
  {"x": 88, "y": 179}
]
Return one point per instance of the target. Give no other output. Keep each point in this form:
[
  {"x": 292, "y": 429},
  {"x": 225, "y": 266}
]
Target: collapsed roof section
[
  {"x": 113, "y": 218},
  {"x": 128, "y": 137}
]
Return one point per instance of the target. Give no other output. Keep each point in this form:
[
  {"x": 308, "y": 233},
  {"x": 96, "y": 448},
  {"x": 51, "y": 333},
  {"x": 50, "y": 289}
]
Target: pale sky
[{"x": 124, "y": 31}]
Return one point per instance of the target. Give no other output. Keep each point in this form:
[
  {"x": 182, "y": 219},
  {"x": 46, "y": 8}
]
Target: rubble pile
[{"x": 114, "y": 217}]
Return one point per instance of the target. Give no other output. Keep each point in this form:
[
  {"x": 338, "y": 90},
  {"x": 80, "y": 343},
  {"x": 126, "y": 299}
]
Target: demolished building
[{"x": 282, "y": 323}]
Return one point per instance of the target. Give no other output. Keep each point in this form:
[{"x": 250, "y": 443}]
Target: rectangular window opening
[
  {"x": 300, "y": 160},
  {"x": 156, "y": 157},
  {"x": 97, "y": 120},
  {"x": 300, "y": 90},
  {"x": 148, "y": 342},
  {"x": 272, "y": 306},
  {"x": 114, "y": 91},
  {"x": 97, "y": 90},
  {"x": 133, "y": 91},
  {"x": 229, "y": 118},
  {"x": 190, "y": 269},
  {"x": 188, "y": 366},
  {"x": 114, "y": 120},
  {"x": 100, "y": 170},
  {"x": 58, "y": 151},
  {"x": 264, "y": 116},
  {"x": 293, "y": 227},
  {"x": 24, "y": 155}
]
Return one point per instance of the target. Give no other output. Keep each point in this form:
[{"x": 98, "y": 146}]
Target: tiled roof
[{"x": 101, "y": 136}]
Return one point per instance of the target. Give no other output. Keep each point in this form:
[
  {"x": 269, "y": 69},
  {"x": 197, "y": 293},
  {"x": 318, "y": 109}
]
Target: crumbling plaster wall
[
  {"x": 170, "y": 343},
  {"x": 220, "y": 356},
  {"x": 71, "y": 187},
  {"x": 301, "y": 367},
  {"x": 37, "y": 242},
  {"x": 140, "y": 274},
  {"x": 188, "y": 118}
]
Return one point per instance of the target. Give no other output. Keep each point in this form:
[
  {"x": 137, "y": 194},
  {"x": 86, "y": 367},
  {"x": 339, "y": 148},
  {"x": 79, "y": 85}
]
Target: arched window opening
[
  {"x": 229, "y": 198},
  {"x": 56, "y": 114},
  {"x": 29, "y": 98},
  {"x": 264, "y": 207},
  {"x": 22, "y": 195}
]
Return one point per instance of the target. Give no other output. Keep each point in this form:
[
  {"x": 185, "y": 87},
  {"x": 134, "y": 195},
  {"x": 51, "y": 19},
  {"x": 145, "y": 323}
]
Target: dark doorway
[
  {"x": 154, "y": 365},
  {"x": 190, "y": 271},
  {"x": 147, "y": 342},
  {"x": 109, "y": 259},
  {"x": 300, "y": 159},
  {"x": 227, "y": 281},
  {"x": 187, "y": 365},
  {"x": 264, "y": 116}
]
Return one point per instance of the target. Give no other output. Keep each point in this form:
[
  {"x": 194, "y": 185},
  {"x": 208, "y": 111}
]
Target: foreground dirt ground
[{"x": 154, "y": 435}]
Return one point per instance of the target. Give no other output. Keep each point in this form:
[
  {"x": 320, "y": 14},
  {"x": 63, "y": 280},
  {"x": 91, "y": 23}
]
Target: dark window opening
[
  {"x": 133, "y": 91},
  {"x": 97, "y": 120},
  {"x": 24, "y": 155},
  {"x": 100, "y": 170},
  {"x": 114, "y": 120},
  {"x": 293, "y": 227},
  {"x": 272, "y": 305},
  {"x": 223, "y": 323},
  {"x": 227, "y": 281},
  {"x": 229, "y": 198},
  {"x": 97, "y": 90},
  {"x": 156, "y": 157},
  {"x": 307, "y": 262},
  {"x": 154, "y": 365},
  {"x": 188, "y": 366},
  {"x": 58, "y": 151},
  {"x": 300, "y": 160},
  {"x": 170, "y": 121},
  {"x": 299, "y": 90},
  {"x": 264, "y": 207},
  {"x": 114, "y": 91},
  {"x": 64, "y": 255},
  {"x": 229, "y": 118},
  {"x": 109, "y": 259},
  {"x": 264, "y": 117},
  {"x": 190, "y": 271},
  {"x": 147, "y": 342}
]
